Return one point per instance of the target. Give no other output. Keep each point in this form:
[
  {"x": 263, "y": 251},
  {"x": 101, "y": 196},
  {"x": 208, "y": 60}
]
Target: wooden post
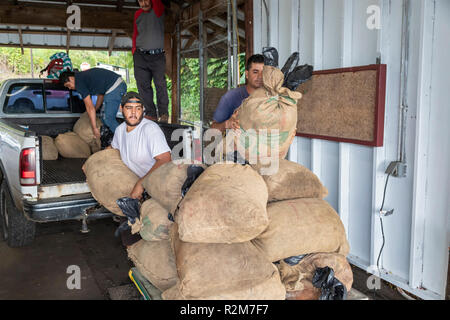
[
  {"x": 249, "y": 49},
  {"x": 175, "y": 73},
  {"x": 21, "y": 39}
]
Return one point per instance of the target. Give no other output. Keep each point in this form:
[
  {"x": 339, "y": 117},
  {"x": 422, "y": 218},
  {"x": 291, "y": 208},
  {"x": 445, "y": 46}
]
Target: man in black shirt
[{"x": 107, "y": 85}]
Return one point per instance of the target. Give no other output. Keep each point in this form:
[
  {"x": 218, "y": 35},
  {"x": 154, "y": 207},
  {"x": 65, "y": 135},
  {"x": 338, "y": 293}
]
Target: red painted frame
[{"x": 380, "y": 99}]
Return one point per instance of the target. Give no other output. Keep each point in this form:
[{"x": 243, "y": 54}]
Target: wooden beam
[
  {"x": 210, "y": 8},
  {"x": 241, "y": 23},
  {"x": 189, "y": 43},
  {"x": 44, "y": 46},
  {"x": 68, "y": 41},
  {"x": 120, "y": 5},
  {"x": 119, "y": 33},
  {"x": 111, "y": 42},
  {"x": 111, "y": 4},
  {"x": 56, "y": 16}
]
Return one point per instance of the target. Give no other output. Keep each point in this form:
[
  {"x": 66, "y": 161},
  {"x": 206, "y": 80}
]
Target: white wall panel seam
[
  {"x": 316, "y": 144},
  {"x": 344, "y": 148}
]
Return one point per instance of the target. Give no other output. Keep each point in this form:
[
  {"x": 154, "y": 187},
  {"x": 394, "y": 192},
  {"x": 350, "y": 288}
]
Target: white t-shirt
[{"x": 139, "y": 147}]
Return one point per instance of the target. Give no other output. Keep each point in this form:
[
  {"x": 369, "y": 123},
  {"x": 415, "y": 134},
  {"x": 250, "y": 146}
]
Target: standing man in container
[{"x": 149, "y": 58}]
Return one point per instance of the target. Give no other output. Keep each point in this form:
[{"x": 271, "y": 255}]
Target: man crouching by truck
[{"x": 141, "y": 142}]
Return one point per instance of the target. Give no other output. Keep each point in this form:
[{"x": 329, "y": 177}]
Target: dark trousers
[{"x": 148, "y": 67}]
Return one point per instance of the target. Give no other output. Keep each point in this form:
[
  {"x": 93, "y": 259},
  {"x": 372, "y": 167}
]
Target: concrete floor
[{"x": 39, "y": 271}]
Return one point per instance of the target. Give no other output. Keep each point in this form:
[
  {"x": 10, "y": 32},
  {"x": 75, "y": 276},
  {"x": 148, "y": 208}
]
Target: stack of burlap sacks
[
  {"x": 79, "y": 143},
  {"x": 232, "y": 231}
]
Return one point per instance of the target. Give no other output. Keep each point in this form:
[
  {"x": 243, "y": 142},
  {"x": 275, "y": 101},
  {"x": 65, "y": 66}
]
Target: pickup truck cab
[{"x": 33, "y": 190}]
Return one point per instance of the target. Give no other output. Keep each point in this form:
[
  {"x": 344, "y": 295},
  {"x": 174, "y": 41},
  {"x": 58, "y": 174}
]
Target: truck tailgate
[{"x": 62, "y": 177}]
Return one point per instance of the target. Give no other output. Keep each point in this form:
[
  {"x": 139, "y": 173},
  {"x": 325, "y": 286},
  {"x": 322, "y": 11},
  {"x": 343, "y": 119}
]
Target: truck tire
[{"x": 17, "y": 230}]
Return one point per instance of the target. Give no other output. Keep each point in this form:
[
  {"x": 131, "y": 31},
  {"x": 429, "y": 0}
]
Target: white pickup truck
[{"x": 36, "y": 190}]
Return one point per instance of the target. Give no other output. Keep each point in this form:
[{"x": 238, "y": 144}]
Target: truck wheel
[{"x": 17, "y": 230}]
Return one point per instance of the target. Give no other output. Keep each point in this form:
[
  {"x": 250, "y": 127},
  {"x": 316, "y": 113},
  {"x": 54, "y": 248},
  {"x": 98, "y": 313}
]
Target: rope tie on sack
[{"x": 269, "y": 97}]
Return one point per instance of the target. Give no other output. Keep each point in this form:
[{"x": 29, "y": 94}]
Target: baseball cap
[{"x": 133, "y": 97}]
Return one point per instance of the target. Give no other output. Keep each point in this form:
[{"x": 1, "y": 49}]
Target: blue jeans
[{"x": 111, "y": 103}]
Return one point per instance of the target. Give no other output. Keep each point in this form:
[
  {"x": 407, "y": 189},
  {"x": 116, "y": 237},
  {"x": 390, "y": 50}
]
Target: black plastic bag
[
  {"x": 131, "y": 209},
  {"x": 270, "y": 56},
  {"x": 193, "y": 172},
  {"x": 292, "y": 261},
  {"x": 299, "y": 75},
  {"x": 106, "y": 136},
  {"x": 290, "y": 64},
  {"x": 331, "y": 288}
]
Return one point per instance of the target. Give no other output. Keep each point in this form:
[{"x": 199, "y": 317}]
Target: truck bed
[{"x": 62, "y": 170}]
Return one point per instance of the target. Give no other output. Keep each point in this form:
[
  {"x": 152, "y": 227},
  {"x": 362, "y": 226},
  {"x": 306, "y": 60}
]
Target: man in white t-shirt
[{"x": 141, "y": 142}]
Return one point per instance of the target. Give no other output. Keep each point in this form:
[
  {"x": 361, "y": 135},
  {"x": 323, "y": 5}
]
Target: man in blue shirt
[
  {"x": 225, "y": 115},
  {"x": 109, "y": 88}
]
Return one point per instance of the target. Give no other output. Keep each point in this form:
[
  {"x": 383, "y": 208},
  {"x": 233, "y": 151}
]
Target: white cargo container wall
[{"x": 338, "y": 33}]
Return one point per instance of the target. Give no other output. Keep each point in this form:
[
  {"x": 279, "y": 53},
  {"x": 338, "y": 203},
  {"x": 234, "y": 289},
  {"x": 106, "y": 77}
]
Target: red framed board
[{"x": 344, "y": 105}]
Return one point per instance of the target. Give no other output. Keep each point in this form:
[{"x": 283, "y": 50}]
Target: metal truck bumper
[{"x": 76, "y": 207}]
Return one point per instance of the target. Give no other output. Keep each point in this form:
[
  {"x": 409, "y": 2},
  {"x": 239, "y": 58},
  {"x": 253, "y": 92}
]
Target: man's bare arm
[
  {"x": 232, "y": 123},
  {"x": 99, "y": 102},
  {"x": 138, "y": 189},
  {"x": 90, "y": 109}
]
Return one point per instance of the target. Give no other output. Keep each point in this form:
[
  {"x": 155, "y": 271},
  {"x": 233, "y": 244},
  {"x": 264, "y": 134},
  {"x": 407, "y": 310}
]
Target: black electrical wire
[{"x": 382, "y": 229}]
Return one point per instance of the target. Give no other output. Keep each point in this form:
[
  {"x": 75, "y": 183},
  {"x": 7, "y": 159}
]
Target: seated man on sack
[
  {"x": 225, "y": 116},
  {"x": 141, "y": 142}
]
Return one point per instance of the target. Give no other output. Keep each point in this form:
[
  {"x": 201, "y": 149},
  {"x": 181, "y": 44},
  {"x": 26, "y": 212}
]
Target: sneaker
[{"x": 164, "y": 118}]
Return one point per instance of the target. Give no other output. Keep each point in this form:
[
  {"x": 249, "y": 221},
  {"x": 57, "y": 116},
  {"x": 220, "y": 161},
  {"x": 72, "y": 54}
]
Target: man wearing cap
[
  {"x": 141, "y": 142},
  {"x": 149, "y": 57}
]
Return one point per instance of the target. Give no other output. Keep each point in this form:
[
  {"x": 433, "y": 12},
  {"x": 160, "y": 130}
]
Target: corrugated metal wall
[{"x": 333, "y": 34}]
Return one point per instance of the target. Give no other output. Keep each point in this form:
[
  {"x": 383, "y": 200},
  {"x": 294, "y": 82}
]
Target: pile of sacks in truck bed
[{"x": 79, "y": 143}]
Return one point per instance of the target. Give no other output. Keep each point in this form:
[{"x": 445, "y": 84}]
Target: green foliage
[{"x": 190, "y": 82}]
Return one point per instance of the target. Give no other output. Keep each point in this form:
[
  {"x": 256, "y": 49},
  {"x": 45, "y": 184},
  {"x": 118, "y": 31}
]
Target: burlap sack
[
  {"x": 272, "y": 108},
  {"x": 226, "y": 204},
  {"x": 70, "y": 145},
  {"x": 49, "y": 150},
  {"x": 298, "y": 279},
  {"x": 207, "y": 269},
  {"x": 83, "y": 128},
  {"x": 292, "y": 181},
  {"x": 155, "y": 223},
  {"x": 109, "y": 178},
  {"x": 302, "y": 226},
  {"x": 95, "y": 145},
  {"x": 156, "y": 261},
  {"x": 164, "y": 184},
  {"x": 270, "y": 289}
]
